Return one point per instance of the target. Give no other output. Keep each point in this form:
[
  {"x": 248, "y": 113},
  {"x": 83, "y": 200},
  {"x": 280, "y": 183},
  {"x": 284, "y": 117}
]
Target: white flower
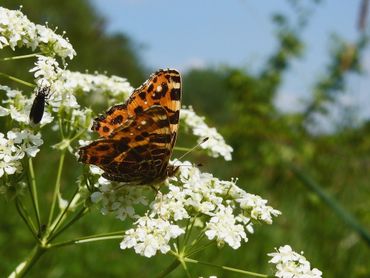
[
  {"x": 117, "y": 199},
  {"x": 115, "y": 89},
  {"x": 227, "y": 210},
  {"x": 290, "y": 264},
  {"x": 9, "y": 163},
  {"x": 10, "y": 167},
  {"x": 215, "y": 144},
  {"x": 223, "y": 228},
  {"x": 59, "y": 45},
  {"x": 252, "y": 204},
  {"x": 16, "y": 30},
  {"x": 6, "y": 149},
  {"x": 4, "y": 111},
  {"x": 46, "y": 70},
  {"x": 150, "y": 236},
  {"x": 26, "y": 142},
  {"x": 95, "y": 170}
]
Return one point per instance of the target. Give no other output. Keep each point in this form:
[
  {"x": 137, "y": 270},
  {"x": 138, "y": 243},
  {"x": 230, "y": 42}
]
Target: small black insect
[{"x": 38, "y": 105}]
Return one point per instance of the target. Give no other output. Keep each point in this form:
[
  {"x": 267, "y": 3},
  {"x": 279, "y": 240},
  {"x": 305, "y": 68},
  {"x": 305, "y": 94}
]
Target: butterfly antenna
[{"x": 193, "y": 148}]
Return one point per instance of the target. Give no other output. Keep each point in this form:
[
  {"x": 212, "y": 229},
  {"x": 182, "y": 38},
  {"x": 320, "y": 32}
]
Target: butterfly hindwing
[{"x": 137, "y": 153}]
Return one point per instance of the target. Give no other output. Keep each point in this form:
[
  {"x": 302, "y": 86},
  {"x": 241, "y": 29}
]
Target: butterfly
[
  {"x": 38, "y": 105},
  {"x": 137, "y": 137}
]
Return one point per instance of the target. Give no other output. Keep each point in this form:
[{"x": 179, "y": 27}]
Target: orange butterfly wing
[
  {"x": 137, "y": 137},
  {"x": 162, "y": 88}
]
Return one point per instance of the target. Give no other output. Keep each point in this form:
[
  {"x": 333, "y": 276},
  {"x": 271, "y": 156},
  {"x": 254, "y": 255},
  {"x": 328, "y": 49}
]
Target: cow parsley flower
[
  {"x": 150, "y": 236},
  {"x": 114, "y": 88},
  {"x": 219, "y": 207},
  {"x": 290, "y": 264},
  {"x": 16, "y": 30},
  {"x": 118, "y": 200},
  {"x": 215, "y": 144},
  {"x": 26, "y": 142},
  {"x": 46, "y": 71},
  {"x": 10, "y": 154},
  {"x": 224, "y": 228},
  {"x": 10, "y": 167}
]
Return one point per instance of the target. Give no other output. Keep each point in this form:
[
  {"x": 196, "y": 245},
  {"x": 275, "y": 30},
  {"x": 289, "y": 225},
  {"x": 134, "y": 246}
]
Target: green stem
[
  {"x": 22, "y": 269},
  {"x": 74, "y": 219},
  {"x": 21, "y": 57},
  {"x": 56, "y": 187},
  {"x": 26, "y": 218},
  {"x": 188, "y": 260},
  {"x": 61, "y": 127},
  {"x": 169, "y": 269},
  {"x": 107, "y": 236},
  {"x": 332, "y": 203},
  {"x": 76, "y": 136},
  {"x": 33, "y": 191},
  {"x": 191, "y": 252},
  {"x": 185, "y": 267},
  {"x": 59, "y": 219},
  {"x": 17, "y": 80},
  {"x": 181, "y": 149}
]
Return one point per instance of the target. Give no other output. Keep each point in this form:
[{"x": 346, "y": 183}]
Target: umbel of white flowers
[{"x": 224, "y": 211}]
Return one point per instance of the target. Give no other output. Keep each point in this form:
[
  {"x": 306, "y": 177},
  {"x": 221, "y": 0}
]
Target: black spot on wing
[
  {"x": 102, "y": 148},
  {"x": 139, "y": 110},
  {"x": 175, "y": 94},
  {"x": 162, "y": 123},
  {"x": 164, "y": 89},
  {"x": 174, "y": 119},
  {"x": 106, "y": 129},
  {"x": 161, "y": 138},
  {"x": 117, "y": 120},
  {"x": 176, "y": 79},
  {"x": 142, "y": 95},
  {"x": 150, "y": 88}
]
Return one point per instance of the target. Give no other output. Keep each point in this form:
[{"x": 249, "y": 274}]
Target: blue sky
[{"x": 186, "y": 34}]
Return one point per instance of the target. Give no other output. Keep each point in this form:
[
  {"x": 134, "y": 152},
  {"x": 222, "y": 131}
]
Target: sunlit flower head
[
  {"x": 215, "y": 145},
  {"x": 150, "y": 236},
  {"x": 290, "y": 264},
  {"x": 16, "y": 30}
]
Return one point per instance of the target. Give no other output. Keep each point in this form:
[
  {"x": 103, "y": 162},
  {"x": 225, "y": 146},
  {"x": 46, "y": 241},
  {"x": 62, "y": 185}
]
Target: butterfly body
[{"x": 137, "y": 137}]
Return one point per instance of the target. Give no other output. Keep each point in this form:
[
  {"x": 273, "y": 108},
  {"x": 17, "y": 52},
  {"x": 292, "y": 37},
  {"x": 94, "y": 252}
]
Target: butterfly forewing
[{"x": 162, "y": 88}]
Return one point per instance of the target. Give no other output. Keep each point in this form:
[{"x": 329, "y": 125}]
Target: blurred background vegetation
[{"x": 305, "y": 174}]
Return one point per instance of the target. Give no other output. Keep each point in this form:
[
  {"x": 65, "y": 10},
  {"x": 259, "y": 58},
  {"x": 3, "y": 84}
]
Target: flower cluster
[
  {"x": 290, "y": 264},
  {"x": 14, "y": 147},
  {"x": 151, "y": 235},
  {"x": 118, "y": 201},
  {"x": 215, "y": 144},
  {"x": 16, "y": 30},
  {"x": 225, "y": 211}
]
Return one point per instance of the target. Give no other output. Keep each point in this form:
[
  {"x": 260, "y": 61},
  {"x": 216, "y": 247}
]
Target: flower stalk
[
  {"x": 33, "y": 191},
  {"x": 22, "y": 269}
]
